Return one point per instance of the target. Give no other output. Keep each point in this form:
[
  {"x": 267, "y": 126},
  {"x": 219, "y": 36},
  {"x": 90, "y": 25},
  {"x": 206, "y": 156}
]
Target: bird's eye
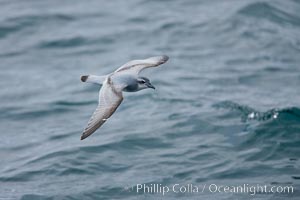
[{"x": 142, "y": 81}]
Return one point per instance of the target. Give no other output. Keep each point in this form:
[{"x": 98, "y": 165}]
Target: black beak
[{"x": 150, "y": 86}]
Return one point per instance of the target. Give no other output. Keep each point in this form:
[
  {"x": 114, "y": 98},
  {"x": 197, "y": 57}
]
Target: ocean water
[{"x": 226, "y": 111}]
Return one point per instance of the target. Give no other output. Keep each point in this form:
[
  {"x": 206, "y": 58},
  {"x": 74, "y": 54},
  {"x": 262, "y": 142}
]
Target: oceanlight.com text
[{"x": 251, "y": 189}]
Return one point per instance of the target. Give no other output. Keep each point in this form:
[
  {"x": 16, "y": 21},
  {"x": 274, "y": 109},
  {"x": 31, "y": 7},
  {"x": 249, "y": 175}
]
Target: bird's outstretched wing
[
  {"x": 109, "y": 100},
  {"x": 136, "y": 66}
]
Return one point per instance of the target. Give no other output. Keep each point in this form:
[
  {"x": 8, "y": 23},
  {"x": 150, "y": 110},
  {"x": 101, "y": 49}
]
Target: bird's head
[{"x": 144, "y": 83}]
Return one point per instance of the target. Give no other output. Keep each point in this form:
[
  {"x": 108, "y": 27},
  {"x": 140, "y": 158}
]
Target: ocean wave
[
  {"x": 72, "y": 103},
  {"x": 63, "y": 43},
  {"x": 16, "y": 24},
  {"x": 74, "y": 161},
  {"x": 76, "y": 41},
  {"x": 128, "y": 144},
  {"x": 41, "y": 110},
  {"x": 247, "y": 113},
  {"x": 264, "y": 10},
  {"x": 30, "y": 114}
]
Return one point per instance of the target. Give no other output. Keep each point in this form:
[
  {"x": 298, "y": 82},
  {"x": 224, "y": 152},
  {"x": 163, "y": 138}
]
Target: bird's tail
[{"x": 93, "y": 79}]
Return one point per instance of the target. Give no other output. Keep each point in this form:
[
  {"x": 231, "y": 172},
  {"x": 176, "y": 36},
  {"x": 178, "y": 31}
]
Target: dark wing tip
[
  {"x": 87, "y": 132},
  {"x": 82, "y": 137},
  {"x": 164, "y": 58},
  {"x": 84, "y": 78}
]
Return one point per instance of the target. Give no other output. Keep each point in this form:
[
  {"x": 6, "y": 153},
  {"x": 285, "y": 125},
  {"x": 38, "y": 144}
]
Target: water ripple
[
  {"x": 263, "y": 10},
  {"x": 248, "y": 113},
  {"x": 16, "y": 24}
]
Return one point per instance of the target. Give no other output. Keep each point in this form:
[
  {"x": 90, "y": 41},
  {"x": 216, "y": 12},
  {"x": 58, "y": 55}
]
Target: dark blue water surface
[{"x": 226, "y": 110}]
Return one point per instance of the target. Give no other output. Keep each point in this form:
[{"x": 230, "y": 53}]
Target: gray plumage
[{"x": 124, "y": 79}]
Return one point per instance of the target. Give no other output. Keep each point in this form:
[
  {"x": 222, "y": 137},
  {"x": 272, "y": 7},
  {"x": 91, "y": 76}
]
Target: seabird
[{"x": 127, "y": 79}]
